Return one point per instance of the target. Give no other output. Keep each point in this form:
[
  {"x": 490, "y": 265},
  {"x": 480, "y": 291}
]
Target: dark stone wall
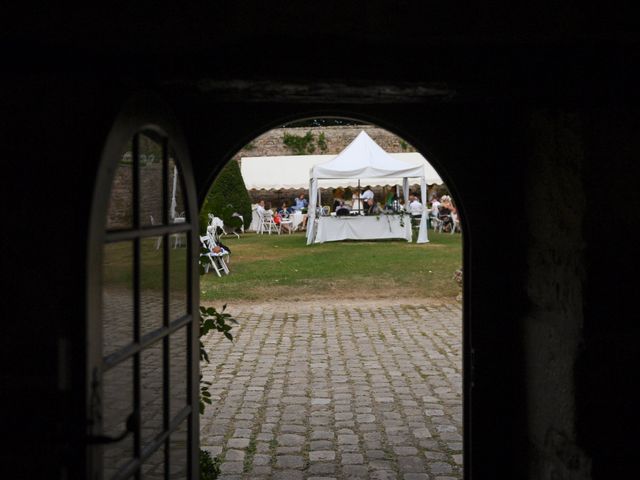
[{"x": 53, "y": 130}]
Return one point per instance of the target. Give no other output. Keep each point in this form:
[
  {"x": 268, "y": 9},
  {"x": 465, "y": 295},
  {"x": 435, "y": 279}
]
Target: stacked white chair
[
  {"x": 219, "y": 224},
  {"x": 215, "y": 223}
]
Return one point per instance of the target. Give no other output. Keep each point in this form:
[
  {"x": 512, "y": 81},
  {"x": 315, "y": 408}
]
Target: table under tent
[{"x": 364, "y": 160}]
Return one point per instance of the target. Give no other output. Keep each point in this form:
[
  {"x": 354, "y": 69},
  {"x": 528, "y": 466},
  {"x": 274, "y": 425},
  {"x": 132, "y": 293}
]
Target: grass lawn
[{"x": 267, "y": 267}]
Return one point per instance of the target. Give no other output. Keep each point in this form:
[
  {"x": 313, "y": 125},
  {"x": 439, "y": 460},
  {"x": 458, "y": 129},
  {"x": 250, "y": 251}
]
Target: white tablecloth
[
  {"x": 296, "y": 218},
  {"x": 255, "y": 221},
  {"x": 358, "y": 227}
]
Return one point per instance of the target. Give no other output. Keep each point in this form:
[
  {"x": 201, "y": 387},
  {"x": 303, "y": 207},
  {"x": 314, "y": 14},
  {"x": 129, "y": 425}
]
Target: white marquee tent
[{"x": 365, "y": 160}]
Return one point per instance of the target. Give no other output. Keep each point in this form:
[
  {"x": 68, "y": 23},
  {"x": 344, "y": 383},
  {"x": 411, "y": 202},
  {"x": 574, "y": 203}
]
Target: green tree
[{"x": 228, "y": 194}]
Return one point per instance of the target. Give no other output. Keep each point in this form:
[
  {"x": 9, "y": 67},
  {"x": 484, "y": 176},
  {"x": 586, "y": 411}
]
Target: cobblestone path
[{"x": 337, "y": 391}]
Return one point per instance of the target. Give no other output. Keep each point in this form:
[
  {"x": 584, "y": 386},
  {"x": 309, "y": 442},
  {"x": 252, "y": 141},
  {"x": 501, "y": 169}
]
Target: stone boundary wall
[
  {"x": 337, "y": 139},
  {"x": 120, "y": 209},
  {"x": 271, "y": 143}
]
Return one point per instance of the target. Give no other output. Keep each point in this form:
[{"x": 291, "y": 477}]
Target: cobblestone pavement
[{"x": 337, "y": 391}]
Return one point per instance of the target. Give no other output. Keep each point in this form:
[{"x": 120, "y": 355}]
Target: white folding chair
[
  {"x": 226, "y": 230},
  {"x": 214, "y": 242},
  {"x": 286, "y": 222},
  {"x": 436, "y": 223},
  {"x": 216, "y": 259},
  {"x": 267, "y": 224},
  {"x": 215, "y": 223}
]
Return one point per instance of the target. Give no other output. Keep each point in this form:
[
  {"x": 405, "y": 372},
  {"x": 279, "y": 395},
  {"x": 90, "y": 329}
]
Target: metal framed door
[{"x": 142, "y": 365}]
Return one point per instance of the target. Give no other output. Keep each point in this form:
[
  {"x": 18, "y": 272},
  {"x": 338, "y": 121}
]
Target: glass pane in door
[
  {"x": 151, "y": 285},
  {"x": 117, "y": 404},
  {"x": 152, "y": 388},
  {"x": 179, "y": 451},
  {"x": 176, "y": 203},
  {"x": 150, "y": 152},
  {"x": 117, "y": 296},
  {"x": 153, "y": 468},
  {"x": 120, "y": 210},
  {"x": 178, "y": 262},
  {"x": 178, "y": 371}
]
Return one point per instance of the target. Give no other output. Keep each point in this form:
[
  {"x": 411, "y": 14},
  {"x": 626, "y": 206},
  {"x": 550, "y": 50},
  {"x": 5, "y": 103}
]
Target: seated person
[
  {"x": 301, "y": 203},
  {"x": 342, "y": 209},
  {"x": 434, "y": 210},
  {"x": 444, "y": 213},
  {"x": 435, "y": 205},
  {"x": 372, "y": 208},
  {"x": 389, "y": 201},
  {"x": 285, "y": 210}
]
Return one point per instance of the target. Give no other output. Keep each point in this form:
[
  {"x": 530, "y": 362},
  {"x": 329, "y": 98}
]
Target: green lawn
[{"x": 267, "y": 267}]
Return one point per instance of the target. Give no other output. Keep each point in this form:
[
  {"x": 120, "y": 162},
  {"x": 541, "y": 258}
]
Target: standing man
[
  {"x": 367, "y": 195},
  {"x": 415, "y": 207}
]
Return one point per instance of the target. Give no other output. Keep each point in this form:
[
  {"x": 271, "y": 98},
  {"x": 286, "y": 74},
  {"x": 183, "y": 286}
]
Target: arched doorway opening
[{"x": 288, "y": 446}]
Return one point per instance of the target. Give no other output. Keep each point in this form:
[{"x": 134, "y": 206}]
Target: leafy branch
[{"x": 211, "y": 319}]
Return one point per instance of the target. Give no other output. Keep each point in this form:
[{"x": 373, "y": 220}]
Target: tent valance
[{"x": 292, "y": 172}]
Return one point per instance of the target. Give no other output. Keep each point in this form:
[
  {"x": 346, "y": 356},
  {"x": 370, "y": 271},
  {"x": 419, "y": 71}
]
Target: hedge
[{"x": 228, "y": 194}]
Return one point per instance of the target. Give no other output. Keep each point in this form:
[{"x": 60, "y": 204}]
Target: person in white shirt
[
  {"x": 434, "y": 212},
  {"x": 415, "y": 207},
  {"x": 367, "y": 194},
  {"x": 435, "y": 205}
]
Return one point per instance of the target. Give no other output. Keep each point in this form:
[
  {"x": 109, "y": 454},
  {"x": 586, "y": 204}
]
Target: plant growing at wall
[
  {"x": 211, "y": 319},
  {"x": 403, "y": 145},
  {"x": 228, "y": 194},
  {"x": 300, "y": 145},
  {"x": 209, "y": 467},
  {"x": 322, "y": 142},
  {"x": 457, "y": 277}
]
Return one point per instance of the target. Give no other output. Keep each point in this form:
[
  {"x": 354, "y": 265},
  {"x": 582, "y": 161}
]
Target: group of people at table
[
  {"x": 285, "y": 212},
  {"x": 365, "y": 204}
]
